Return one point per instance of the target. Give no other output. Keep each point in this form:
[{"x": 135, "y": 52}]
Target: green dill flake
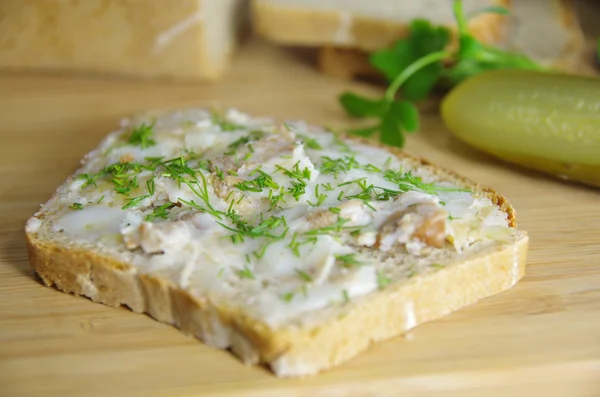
[
  {"x": 352, "y": 182},
  {"x": 160, "y": 212},
  {"x": 134, "y": 201},
  {"x": 266, "y": 228},
  {"x": 76, "y": 206},
  {"x": 263, "y": 181},
  {"x": 89, "y": 179},
  {"x": 348, "y": 260},
  {"x": 220, "y": 274},
  {"x": 407, "y": 181},
  {"x": 298, "y": 179},
  {"x": 100, "y": 200},
  {"x": 437, "y": 266},
  {"x": 218, "y": 119},
  {"x": 298, "y": 242},
  {"x": 382, "y": 280},
  {"x": 371, "y": 168},
  {"x": 261, "y": 251},
  {"x": 321, "y": 197},
  {"x": 123, "y": 176},
  {"x": 150, "y": 186},
  {"x": 142, "y": 136},
  {"x": 388, "y": 162},
  {"x": 345, "y": 295},
  {"x": 252, "y": 136},
  {"x": 327, "y": 186},
  {"x": 304, "y": 276},
  {"x": 246, "y": 273},
  {"x": 287, "y": 297},
  {"x": 311, "y": 143},
  {"x": 336, "y": 166},
  {"x": 274, "y": 200},
  {"x": 335, "y": 210}
]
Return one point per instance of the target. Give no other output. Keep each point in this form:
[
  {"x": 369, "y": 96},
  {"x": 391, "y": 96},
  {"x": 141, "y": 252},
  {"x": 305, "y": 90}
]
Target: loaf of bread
[
  {"x": 291, "y": 245},
  {"x": 173, "y": 39}
]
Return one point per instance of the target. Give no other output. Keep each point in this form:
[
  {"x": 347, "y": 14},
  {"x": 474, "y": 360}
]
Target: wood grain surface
[{"x": 541, "y": 338}]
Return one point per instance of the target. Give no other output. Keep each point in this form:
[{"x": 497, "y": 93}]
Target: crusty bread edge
[
  {"x": 319, "y": 27},
  {"x": 290, "y": 351}
]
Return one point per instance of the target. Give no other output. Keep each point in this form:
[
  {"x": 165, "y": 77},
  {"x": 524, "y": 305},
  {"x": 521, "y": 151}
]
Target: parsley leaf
[
  {"x": 359, "y": 106},
  {"x": 401, "y": 117},
  {"x": 418, "y": 63},
  {"x": 424, "y": 39}
]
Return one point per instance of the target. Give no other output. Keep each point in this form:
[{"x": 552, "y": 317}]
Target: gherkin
[{"x": 545, "y": 121}]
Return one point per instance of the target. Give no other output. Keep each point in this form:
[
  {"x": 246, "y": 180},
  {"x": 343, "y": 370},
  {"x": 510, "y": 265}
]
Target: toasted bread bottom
[{"x": 291, "y": 350}]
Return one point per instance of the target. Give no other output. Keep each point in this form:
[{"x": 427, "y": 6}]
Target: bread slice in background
[
  {"x": 364, "y": 25},
  {"x": 174, "y": 39},
  {"x": 548, "y": 31},
  {"x": 98, "y": 250}
]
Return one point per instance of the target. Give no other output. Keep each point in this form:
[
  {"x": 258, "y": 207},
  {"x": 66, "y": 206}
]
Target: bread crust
[
  {"x": 320, "y": 27},
  {"x": 290, "y": 350}
]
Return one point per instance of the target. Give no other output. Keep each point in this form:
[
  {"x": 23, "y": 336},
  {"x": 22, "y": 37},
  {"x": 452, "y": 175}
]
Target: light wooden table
[{"x": 541, "y": 338}]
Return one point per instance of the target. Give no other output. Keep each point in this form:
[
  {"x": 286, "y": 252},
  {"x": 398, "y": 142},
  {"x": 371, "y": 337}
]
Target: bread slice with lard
[
  {"x": 546, "y": 31},
  {"x": 366, "y": 25},
  {"x": 291, "y": 245}
]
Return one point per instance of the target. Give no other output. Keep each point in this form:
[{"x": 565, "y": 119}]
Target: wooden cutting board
[{"x": 542, "y": 337}]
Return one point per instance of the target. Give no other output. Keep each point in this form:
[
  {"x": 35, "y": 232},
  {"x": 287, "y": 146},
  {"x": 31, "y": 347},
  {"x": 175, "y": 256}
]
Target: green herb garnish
[
  {"x": 160, "y": 212},
  {"x": 311, "y": 143},
  {"x": 134, "y": 201},
  {"x": 304, "y": 276},
  {"x": 415, "y": 65},
  {"x": 382, "y": 280},
  {"x": 263, "y": 181},
  {"x": 76, "y": 206},
  {"x": 336, "y": 166},
  {"x": 142, "y": 136},
  {"x": 246, "y": 273},
  {"x": 288, "y": 297},
  {"x": 348, "y": 260}
]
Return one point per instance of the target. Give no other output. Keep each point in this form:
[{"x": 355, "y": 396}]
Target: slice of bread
[
  {"x": 546, "y": 31},
  {"x": 175, "y": 39},
  {"x": 365, "y": 25},
  {"x": 293, "y": 246}
]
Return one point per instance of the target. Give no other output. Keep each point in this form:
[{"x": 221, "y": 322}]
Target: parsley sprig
[{"x": 415, "y": 65}]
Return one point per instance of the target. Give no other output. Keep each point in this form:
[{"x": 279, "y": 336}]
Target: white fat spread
[
  {"x": 343, "y": 35},
  {"x": 33, "y": 225},
  {"x": 282, "y": 220}
]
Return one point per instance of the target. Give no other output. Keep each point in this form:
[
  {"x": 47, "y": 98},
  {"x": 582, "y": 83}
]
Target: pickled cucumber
[{"x": 545, "y": 121}]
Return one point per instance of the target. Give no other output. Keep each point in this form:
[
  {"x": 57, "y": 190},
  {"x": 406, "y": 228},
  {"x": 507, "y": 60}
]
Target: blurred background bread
[
  {"x": 178, "y": 39},
  {"x": 196, "y": 40}
]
